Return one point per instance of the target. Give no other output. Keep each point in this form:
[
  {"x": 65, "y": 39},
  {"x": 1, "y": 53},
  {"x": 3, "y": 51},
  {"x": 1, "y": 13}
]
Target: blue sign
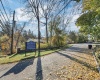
[{"x": 30, "y": 45}]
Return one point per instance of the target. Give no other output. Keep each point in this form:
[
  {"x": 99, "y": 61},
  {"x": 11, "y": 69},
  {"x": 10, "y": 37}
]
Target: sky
[{"x": 18, "y": 6}]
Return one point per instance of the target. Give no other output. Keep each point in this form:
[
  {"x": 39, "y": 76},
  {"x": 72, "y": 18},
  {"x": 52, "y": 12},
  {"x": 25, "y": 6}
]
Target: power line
[
  {"x": 3, "y": 15},
  {"x": 4, "y": 10},
  {"x": 3, "y": 26},
  {"x": 73, "y": 12},
  {"x": 9, "y": 9},
  {"x": 2, "y": 18},
  {"x": 62, "y": 9}
]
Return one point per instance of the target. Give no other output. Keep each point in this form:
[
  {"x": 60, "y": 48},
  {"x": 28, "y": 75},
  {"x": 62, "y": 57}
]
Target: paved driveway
[{"x": 75, "y": 63}]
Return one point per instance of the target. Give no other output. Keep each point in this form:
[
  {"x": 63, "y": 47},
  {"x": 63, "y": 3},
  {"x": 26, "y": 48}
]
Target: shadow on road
[
  {"x": 39, "y": 75},
  {"x": 79, "y": 61},
  {"x": 19, "y": 67}
]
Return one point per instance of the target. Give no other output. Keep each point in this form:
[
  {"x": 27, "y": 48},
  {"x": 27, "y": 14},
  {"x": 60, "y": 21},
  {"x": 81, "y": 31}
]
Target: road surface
[{"x": 74, "y": 63}]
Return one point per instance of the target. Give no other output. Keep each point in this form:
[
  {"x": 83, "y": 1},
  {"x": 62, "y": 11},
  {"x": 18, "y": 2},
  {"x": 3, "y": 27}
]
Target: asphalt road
[{"x": 41, "y": 68}]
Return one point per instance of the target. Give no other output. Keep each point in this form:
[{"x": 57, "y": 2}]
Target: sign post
[{"x": 30, "y": 46}]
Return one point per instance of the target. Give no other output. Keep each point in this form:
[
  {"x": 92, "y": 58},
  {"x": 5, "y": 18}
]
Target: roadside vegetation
[
  {"x": 21, "y": 56},
  {"x": 97, "y": 54},
  {"x": 89, "y": 21}
]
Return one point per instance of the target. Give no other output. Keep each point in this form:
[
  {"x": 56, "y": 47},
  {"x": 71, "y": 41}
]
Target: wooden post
[{"x": 25, "y": 48}]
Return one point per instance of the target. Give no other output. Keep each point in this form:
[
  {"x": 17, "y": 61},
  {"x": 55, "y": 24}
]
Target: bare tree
[
  {"x": 19, "y": 34},
  {"x": 6, "y": 28},
  {"x": 33, "y": 6},
  {"x": 47, "y": 7}
]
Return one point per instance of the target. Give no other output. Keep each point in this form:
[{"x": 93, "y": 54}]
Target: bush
[
  {"x": 42, "y": 45},
  {"x": 5, "y": 44},
  {"x": 58, "y": 41},
  {"x": 97, "y": 54},
  {"x": 23, "y": 46}
]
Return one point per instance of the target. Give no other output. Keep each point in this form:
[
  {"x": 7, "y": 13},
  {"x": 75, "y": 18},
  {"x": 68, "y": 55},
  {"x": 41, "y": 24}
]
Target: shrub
[{"x": 42, "y": 45}]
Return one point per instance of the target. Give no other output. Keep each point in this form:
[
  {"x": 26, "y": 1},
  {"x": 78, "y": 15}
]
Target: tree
[
  {"x": 89, "y": 21},
  {"x": 72, "y": 35},
  {"x": 82, "y": 38},
  {"x": 96, "y": 33},
  {"x": 33, "y": 7},
  {"x": 19, "y": 34},
  {"x": 5, "y": 43},
  {"x": 91, "y": 5},
  {"x": 86, "y": 21},
  {"x": 25, "y": 35},
  {"x": 47, "y": 7},
  {"x": 6, "y": 28},
  {"x": 57, "y": 35}
]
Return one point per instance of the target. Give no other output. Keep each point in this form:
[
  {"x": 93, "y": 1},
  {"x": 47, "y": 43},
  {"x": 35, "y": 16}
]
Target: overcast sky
[{"x": 18, "y": 6}]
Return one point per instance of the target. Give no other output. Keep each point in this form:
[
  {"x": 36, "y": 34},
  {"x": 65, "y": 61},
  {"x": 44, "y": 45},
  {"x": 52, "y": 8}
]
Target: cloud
[
  {"x": 33, "y": 28},
  {"x": 21, "y": 16},
  {"x": 75, "y": 17},
  {"x": 33, "y": 24},
  {"x": 72, "y": 26}
]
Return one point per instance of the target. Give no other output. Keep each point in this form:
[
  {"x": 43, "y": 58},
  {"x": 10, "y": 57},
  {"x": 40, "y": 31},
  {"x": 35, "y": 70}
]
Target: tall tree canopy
[{"x": 89, "y": 21}]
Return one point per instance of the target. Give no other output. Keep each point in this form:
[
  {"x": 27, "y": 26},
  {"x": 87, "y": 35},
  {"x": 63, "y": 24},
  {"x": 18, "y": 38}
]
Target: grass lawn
[{"x": 21, "y": 56}]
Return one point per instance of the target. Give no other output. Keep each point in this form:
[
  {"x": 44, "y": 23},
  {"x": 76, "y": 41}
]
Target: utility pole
[
  {"x": 38, "y": 18},
  {"x": 13, "y": 26},
  {"x": 46, "y": 29}
]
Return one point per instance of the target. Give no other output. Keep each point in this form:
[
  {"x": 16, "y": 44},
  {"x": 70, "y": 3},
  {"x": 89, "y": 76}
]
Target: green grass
[{"x": 21, "y": 56}]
